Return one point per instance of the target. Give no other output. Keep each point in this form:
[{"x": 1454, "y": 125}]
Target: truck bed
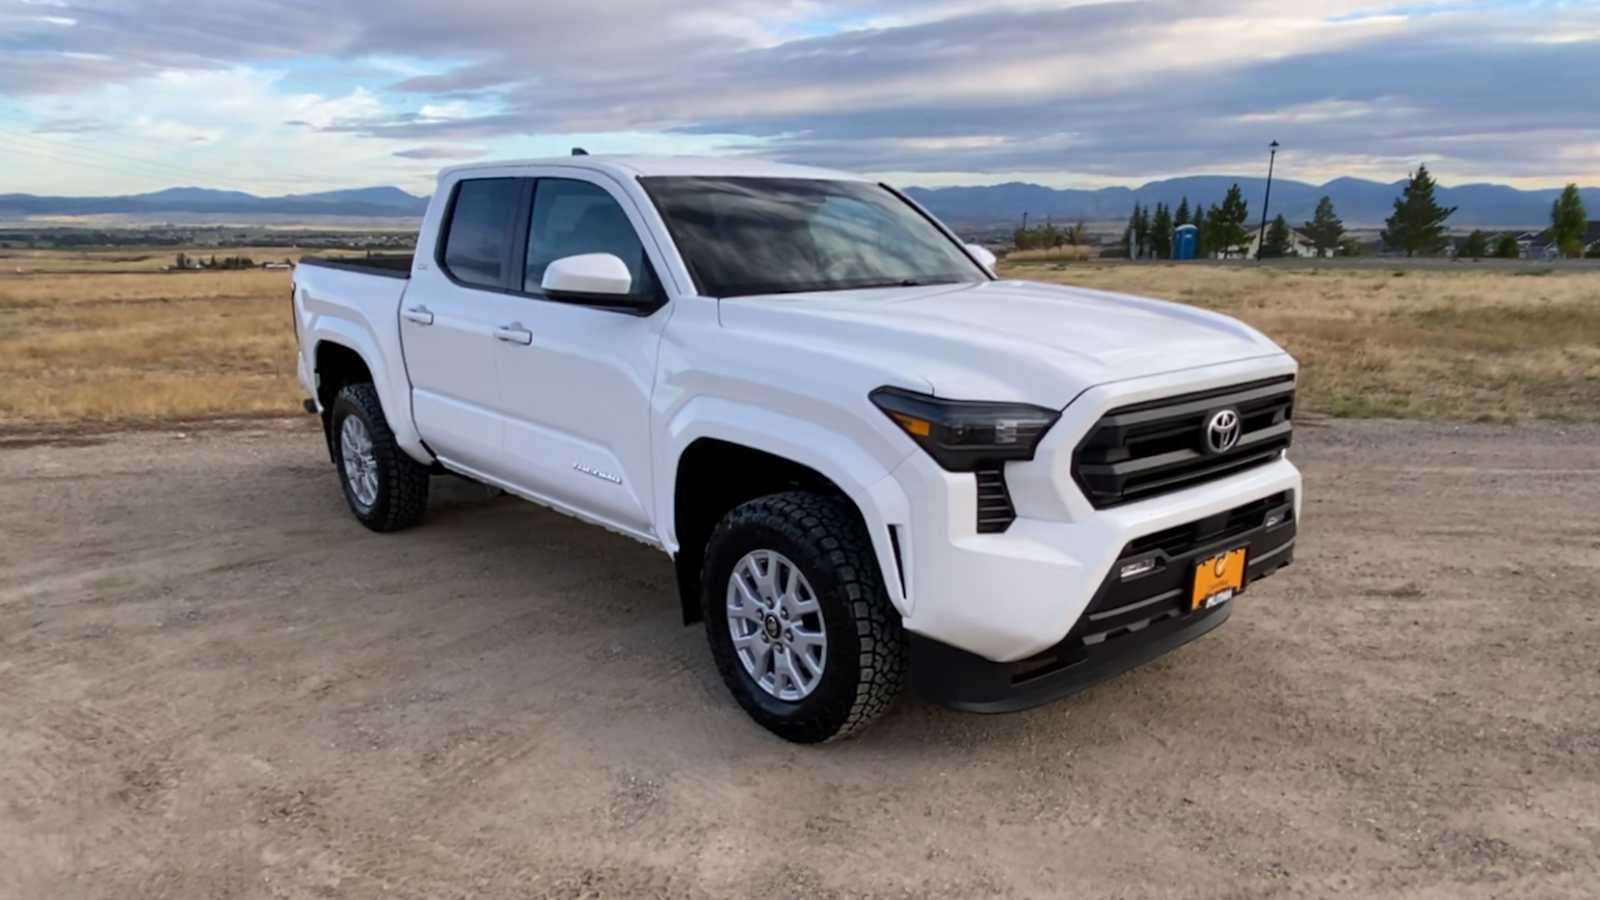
[
  {"x": 389, "y": 265},
  {"x": 356, "y": 303}
]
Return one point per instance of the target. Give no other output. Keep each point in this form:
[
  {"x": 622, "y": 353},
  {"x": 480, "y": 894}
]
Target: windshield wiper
[
  {"x": 772, "y": 290},
  {"x": 904, "y": 282}
]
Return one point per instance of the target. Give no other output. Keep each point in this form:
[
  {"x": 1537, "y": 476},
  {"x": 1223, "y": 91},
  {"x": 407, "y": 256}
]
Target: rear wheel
[
  {"x": 797, "y": 618},
  {"x": 385, "y": 489}
]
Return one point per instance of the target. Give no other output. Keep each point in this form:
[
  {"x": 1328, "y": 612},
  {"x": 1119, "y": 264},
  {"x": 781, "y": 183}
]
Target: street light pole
[{"x": 1261, "y": 238}]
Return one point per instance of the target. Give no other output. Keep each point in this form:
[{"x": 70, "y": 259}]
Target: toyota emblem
[{"x": 1222, "y": 431}]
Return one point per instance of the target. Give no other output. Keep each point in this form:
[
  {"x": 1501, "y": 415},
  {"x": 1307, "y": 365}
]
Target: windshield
[{"x": 742, "y": 236}]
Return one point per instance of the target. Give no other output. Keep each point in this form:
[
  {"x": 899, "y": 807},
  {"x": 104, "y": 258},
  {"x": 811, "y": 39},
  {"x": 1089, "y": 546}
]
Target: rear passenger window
[
  {"x": 576, "y": 217},
  {"x": 475, "y": 248}
]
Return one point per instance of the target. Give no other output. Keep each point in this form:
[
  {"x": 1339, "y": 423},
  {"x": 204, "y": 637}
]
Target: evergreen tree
[
  {"x": 1141, "y": 231},
  {"x": 1182, "y": 217},
  {"x": 1476, "y": 246},
  {"x": 1568, "y": 220},
  {"x": 1161, "y": 232},
  {"x": 1225, "y": 224},
  {"x": 1505, "y": 247},
  {"x": 1078, "y": 234},
  {"x": 1350, "y": 246},
  {"x": 1278, "y": 243},
  {"x": 1325, "y": 229},
  {"x": 1202, "y": 234},
  {"x": 1417, "y": 225}
]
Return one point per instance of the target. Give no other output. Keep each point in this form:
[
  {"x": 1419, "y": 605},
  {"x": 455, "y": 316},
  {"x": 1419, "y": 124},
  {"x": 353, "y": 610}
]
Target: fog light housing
[
  {"x": 1138, "y": 568},
  {"x": 1276, "y": 519}
]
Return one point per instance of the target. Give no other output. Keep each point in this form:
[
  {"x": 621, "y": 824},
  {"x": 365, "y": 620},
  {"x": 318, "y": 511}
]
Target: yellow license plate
[{"x": 1217, "y": 579}]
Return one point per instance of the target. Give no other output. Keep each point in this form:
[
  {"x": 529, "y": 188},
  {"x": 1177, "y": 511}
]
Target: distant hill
[
  {"x": 386, "y": 202},
  {"x": 1358, "y": 202}
]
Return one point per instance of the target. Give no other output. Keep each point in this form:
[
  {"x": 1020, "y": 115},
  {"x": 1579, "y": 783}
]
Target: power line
[
  {"x": 151, "y": 168},
  {"x": 100, "y": 151},
  {"x": 56, "y": 155}
]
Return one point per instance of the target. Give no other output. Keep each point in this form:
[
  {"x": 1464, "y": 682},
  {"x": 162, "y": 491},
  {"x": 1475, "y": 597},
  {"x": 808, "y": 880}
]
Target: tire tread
[
  {"x": 832, "y": 527},
  {"x": 402, "y": 481}
]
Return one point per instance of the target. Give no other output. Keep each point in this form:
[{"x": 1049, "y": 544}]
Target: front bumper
[{"x": 1125, "y": 624}]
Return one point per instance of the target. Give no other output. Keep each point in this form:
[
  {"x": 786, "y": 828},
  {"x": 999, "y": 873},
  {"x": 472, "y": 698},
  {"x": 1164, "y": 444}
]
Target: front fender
[{"x": 862, "y": 476}]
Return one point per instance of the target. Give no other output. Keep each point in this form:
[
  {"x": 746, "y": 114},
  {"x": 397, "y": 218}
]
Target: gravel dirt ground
[{"x": 214, "y": 683}]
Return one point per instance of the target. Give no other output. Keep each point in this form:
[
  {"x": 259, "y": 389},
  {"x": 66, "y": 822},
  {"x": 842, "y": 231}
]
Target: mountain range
[
  {"x": 1360, "y": 203},
  {"x": 389, "y": 202}
]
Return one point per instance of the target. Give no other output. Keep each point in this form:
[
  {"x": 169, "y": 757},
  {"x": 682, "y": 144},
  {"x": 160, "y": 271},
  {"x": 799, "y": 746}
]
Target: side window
[
  {"x": 481, "y": 224},
  {"x": 574, "y": 217}
]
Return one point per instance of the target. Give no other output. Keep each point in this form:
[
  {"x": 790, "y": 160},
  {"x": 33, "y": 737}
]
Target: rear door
[{"x": 450, "y": 320}]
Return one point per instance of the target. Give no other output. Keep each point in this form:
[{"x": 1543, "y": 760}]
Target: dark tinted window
[
  {"x": 480, "y": 230},
  {"x": 786, "y": 235},
  {"x": 576, "y": 217}
]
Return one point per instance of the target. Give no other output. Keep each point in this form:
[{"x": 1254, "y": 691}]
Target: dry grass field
[
  {"x": 1068, "y": 252},
  {"x": 108, "y": 337}
]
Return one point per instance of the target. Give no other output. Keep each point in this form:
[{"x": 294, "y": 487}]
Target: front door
[{"x": 577, "y": 394}]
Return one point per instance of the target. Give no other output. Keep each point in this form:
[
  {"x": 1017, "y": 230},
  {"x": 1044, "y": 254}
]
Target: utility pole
[{"x": 1261, "y": 238}]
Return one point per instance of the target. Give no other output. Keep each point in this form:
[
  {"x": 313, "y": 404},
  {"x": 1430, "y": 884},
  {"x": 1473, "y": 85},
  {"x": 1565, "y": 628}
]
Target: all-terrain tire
[
  {"x": 865, "y": 665},
  {"x": 402, "y": 491}
]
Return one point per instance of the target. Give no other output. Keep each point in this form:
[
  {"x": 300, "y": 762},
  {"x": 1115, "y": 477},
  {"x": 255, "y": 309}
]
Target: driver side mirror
[
  {"x": 588, "y": 276},
  {"x": 983, "y": 256}
]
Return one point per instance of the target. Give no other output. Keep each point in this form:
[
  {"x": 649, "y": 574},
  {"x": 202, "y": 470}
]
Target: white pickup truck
[{"x": 872, "y": 462}]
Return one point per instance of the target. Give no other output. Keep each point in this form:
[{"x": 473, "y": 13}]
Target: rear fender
[{"x": 388, "y": 377}]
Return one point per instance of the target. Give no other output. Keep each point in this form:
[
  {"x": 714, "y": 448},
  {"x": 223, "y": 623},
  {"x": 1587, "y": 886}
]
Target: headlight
[{"x": 961, "y": 435}]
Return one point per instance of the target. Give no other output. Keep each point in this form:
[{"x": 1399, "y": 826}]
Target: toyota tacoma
[{"x": 874, "y": 464}]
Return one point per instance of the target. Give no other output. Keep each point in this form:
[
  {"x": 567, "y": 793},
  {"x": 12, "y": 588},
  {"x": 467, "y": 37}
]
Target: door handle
[
  {"x": 514, "y": 334},
  {"x": 419, "y": 315}
]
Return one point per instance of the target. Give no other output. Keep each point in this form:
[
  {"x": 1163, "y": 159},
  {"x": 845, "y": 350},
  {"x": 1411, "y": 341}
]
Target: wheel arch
[
  {"x": 715, "y": 469},
  {"x": 335, "y": 363},
  {"x": 341, "y": 356}
]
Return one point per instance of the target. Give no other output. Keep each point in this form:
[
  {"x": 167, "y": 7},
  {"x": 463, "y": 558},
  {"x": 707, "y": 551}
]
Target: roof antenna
[{"x": 579, "y": 151}]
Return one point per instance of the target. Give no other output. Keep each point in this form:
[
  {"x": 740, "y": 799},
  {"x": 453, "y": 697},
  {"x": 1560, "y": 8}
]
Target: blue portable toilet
[{"x": 1184, "y": 239}]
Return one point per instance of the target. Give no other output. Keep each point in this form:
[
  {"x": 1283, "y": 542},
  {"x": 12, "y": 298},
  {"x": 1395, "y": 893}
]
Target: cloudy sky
[{"x": 283, "y": 96}]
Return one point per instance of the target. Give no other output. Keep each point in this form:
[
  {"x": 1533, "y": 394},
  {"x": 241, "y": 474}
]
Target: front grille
[
  {"x": 1147, "y": 449},
  {"x": 995, "y": 513},
  {"x": 1188, "y": 537}
]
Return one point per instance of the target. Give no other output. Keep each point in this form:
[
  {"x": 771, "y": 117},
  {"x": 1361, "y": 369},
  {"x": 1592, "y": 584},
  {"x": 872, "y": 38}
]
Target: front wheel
[
  {"x": 386, "y": 489},
  {"x": 797, "y": 618}
]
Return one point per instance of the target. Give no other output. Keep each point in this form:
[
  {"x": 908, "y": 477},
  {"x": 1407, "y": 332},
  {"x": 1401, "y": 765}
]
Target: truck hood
[{"x": 1004, "y": 340}]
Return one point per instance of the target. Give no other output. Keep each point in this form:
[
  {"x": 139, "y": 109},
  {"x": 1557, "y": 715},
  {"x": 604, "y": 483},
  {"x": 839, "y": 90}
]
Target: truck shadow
[{"x": 615, "y": 592}]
